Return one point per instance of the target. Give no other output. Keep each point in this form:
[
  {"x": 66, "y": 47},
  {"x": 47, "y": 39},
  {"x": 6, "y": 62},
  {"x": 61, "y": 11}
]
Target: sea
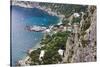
[{"x": 21, "y": 39}]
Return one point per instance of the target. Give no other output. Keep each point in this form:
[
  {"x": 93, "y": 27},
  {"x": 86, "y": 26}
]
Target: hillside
[
  {"x": 76, "y": 34},
  {"x": 81, "y": 46}
]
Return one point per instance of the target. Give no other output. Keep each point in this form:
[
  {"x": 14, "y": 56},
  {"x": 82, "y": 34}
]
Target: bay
[{"x": 22, "y": 40}]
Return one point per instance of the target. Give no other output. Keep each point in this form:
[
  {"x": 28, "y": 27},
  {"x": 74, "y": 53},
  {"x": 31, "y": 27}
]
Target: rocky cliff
[
  {"x": 26, "y": 4},
  {"x": 81, "y": 46}
]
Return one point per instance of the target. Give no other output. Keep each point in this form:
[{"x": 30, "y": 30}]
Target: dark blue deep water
[{"x": 23, "y": 40}]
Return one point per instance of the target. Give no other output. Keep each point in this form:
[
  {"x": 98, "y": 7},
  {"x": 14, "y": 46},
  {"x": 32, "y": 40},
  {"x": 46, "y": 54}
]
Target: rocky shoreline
[
  {"x": 36, "y": 5},
  {"x": 81, "y": 44}
]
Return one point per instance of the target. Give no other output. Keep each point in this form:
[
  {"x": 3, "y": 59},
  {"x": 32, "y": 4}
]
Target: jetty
[{"x": 35, "y": 28}]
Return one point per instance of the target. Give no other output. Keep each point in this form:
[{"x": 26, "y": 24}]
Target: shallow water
[{"x": 22, "y": 40}]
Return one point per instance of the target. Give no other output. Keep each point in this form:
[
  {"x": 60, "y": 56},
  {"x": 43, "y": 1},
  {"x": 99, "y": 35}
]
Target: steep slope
[{"x": 81, "y": 45}]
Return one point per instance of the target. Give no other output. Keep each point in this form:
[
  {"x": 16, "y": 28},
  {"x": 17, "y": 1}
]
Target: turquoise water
[{"x": 22, "y": 40}]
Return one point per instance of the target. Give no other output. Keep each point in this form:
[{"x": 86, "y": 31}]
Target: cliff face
[
  {"x": 26, "y": 4},
  {"x": 81, "y": 46}
]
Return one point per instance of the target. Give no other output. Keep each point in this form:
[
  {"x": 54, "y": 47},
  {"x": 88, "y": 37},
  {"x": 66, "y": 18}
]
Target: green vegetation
[
  {"x": 76, "y": 20},
  {"x": 65, "y": 21},
  {"x": 51, "y": 57},
  {"x": 92, "y": 9},
  {"x": 65, "y": 9},
  {"x": 85, "y": 43},
  {"x": 34, "y": 57},
  {"x": 86, "y": 15},
  {"x": 87, "y": 22},
  {"x": 86, "y": 25},
  {"x": 52, "y": 45},
  {"x": 82, "y": 33},
  {"x": 56, "y": 40}
]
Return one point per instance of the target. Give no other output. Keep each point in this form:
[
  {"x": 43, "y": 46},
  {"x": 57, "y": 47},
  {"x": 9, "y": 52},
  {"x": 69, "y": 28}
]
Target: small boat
[{"x": 35, "y": 28}]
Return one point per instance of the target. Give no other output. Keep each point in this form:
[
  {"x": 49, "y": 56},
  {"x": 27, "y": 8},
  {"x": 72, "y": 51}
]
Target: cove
[{"x": 22, "y": 40}]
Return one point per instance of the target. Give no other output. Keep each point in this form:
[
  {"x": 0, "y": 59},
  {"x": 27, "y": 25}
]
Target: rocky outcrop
[
  {"x": 81, "y": 46},
  {"x": 25, "y": 4}
]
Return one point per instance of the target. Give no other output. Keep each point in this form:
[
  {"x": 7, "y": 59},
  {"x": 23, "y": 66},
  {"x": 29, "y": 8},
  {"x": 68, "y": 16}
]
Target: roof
[
  {"x": 41, "y": 54},
  {"x": 76, "y": 14},
  {"x": 60, "y": 51}
]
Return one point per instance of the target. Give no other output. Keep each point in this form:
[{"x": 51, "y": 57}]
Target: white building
[
  {"x": 41, "y": 55},
  {"x": 64, "y": 29},
  {"x": 61, "y": 52},
  {"x": 76, "y": 15},
  {"x": 47, "y": 30},
  {"x": 69, "y": 28}
]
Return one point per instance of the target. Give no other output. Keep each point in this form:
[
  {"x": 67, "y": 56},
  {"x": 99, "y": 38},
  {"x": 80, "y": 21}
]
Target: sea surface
[{"x": 21, "y": 39}]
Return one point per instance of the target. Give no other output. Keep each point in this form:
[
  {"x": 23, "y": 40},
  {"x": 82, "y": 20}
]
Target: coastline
[
  {"x": 78, "y": 37},
  {"x": 36, "y": 5},
  {"x": 38, "y": 45},
  {"x": 26, "y": 57}
]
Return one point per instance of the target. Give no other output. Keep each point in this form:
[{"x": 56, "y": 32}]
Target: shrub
[{"x": 76, "y": 20}]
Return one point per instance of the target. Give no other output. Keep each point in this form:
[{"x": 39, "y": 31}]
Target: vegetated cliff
[{"x": 81, "y": 45}]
